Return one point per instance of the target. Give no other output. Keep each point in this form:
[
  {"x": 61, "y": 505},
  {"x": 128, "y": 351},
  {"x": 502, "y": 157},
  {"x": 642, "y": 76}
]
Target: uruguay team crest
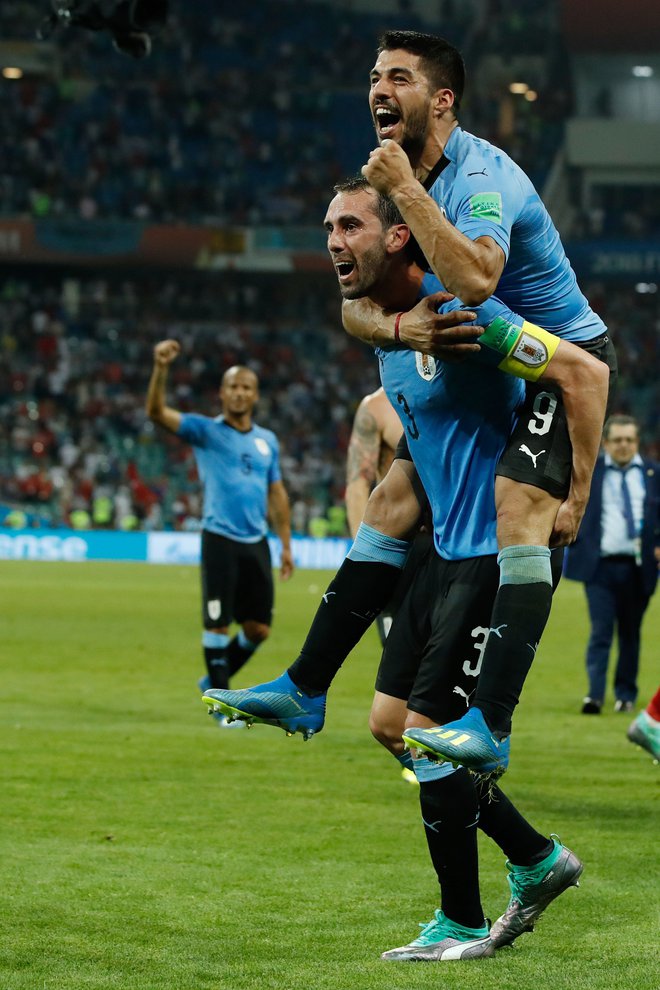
[
  {"x": 213, "y": 608},
  {"x": 530, "y": 351},
  {"x": 262, "y": 446},
  {"x": 425, "y": 365}
]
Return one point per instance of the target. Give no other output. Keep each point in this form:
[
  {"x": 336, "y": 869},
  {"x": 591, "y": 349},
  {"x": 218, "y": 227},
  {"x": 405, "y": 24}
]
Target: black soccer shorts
[
  {"x": 435, "y": 647},
  {"x": 237, "y": 581},
  {"x": 539, "y": 450},
  {"x": 421, "y": 543}
]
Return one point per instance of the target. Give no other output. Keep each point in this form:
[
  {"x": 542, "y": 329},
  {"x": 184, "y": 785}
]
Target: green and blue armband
[{"x": 527, "y": 350}]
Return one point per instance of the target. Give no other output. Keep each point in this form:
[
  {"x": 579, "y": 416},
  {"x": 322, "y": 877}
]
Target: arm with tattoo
[{"x": 362, "y": 465}]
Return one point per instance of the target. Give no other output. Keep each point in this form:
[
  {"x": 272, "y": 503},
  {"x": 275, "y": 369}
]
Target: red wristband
[{"x": 397, "y": 339}]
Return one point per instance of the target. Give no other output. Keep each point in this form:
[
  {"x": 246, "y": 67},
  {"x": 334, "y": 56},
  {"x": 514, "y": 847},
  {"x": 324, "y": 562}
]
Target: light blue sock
[
  {"x": 405, "y": 759},
  {"x": 525, "y": 565},
  {"x": 214, "y": 641},
  {"x": 370, "y": 545},
  {"x": 245, "y": 643},
  {"x": 426, "y": 769},
  {"x": 215, "y": 649}
]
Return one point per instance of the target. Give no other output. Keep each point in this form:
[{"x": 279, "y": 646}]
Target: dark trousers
[{"x": 615, "y": 596}]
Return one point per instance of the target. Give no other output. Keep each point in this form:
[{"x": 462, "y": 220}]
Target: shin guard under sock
[
  {"x": 215, "y": 646},
  {"x": 360, "y": 590},
  {"x": 520, "y": 613},
  {"x": 239, "y": 652},
  {"x": 450, "y": 812},
  {"x": 503, "y": 823}
]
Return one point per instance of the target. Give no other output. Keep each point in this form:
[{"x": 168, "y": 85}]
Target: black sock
[
  {"x": 503, "y": 823},
  {"x": 217, "y": 667},
  {"x": 359, "y": 591},
  {"x": 557, "y": 565},
  {"x": 517, "y": 623},
  {"x": 450, "y": 811},
  {"x": 238, "y": 654}
]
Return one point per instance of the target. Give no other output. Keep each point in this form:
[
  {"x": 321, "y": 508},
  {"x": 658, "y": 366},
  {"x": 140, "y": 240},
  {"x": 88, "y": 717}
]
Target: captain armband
[{"x": 527, "y": 350}]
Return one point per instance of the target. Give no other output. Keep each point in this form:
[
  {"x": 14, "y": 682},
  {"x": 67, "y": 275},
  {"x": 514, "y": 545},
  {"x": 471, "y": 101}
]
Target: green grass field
[{"x": 143, "y": 848}]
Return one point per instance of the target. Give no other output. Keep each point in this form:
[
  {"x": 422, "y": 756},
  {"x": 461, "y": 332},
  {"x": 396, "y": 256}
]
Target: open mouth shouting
[
  {"x": 386, "y": 118},
  {"x": 344, "y": 269}
]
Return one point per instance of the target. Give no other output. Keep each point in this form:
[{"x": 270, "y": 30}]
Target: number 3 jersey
[
  {"x": 236, "y": 470},
  {"x": 457, "y": 418}
]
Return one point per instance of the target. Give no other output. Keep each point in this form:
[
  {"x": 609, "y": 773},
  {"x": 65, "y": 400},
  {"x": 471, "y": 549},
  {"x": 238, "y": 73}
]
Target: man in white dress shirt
[{"x": 616, "y": 554}]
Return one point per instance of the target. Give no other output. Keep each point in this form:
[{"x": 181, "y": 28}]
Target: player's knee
[
  {"x": 378, "y": 511},
  {"x": 416, "y": 721},
  {"x": 390, "y": 514},
  {"x": 387, "y": 733},
  {"x": 256, "y": 632}
]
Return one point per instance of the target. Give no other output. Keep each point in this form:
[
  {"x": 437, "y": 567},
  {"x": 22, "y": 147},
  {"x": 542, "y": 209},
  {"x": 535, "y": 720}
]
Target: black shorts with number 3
[
  {"x": 539, "y": 450},
  {"x": 237, "y": 581},
  {"x": 434, "y": 650}
]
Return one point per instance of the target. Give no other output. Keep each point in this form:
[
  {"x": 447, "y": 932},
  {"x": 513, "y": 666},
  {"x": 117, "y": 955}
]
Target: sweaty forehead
[
  {"x": 358, "y": 205},
  {"x": 396, "y": 59},
  {"x": 242, "y": 377}
]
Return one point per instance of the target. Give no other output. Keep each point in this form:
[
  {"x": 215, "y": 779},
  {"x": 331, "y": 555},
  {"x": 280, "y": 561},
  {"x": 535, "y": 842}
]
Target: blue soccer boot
[
  {"x": 279, "y": 702},
  {"x": 467, "y": 742}
]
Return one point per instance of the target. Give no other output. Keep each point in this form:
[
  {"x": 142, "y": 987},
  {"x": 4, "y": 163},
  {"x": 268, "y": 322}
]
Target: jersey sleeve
[
  {"x": 274, "y": 471},
  {"x": 193, "y": 428},
  {"x": 486, "y": 201}
]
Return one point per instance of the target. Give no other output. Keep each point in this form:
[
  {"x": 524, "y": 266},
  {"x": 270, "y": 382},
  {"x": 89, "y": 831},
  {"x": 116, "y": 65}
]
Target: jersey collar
[{"x": 440, "y": 165}]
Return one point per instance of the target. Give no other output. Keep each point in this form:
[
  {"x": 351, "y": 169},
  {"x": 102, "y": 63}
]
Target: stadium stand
[{"x": 226, "y": 123}]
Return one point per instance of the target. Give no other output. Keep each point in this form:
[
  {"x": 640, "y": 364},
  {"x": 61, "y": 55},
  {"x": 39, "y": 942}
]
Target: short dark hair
[
  {"x": 386, "y": 210},
  {"x": 619, "y": 419},
  {"x": 439, "y": 60}
]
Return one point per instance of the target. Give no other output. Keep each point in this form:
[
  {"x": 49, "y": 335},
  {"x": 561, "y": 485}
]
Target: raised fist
[{"x": 166, "y": 351}]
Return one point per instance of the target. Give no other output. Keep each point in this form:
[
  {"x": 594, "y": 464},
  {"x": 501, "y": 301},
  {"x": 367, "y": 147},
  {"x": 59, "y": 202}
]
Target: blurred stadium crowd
[
  {"x": 79, "y": 356},
  {"x": 229, "y": 124}
]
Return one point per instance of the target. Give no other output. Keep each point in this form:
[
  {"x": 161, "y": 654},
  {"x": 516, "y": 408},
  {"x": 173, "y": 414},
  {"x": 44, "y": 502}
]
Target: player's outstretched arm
[
  {"x": 584, "y": 382},
  {"x": 470, "y": 269},
  {"x": 533, "y": 353},
  {"x": 165, "y": 352},
  {"x": 422, "y": 328},
  {"x": 280, "y": 515}
]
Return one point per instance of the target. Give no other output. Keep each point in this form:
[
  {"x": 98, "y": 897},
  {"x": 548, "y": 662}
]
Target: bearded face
[
  {"x": 400, "y": 101},
  {"x": 356, "y": 242}
]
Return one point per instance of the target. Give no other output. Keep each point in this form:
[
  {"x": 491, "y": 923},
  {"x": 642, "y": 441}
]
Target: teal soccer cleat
[
  {"x": 645, "y": 732},
  {"x": 277, "y": 702},
  {"x": 532, "y": 889},
  {"x": 467, "y": 742},
  {"x": 441, "y": 940}
]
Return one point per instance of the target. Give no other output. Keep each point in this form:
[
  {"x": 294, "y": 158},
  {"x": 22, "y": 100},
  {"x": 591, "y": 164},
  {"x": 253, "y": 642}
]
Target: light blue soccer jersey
[
  {"x": 457, "y": 419},
  {"x": 484, "y": 193},
  {"x": 236, "y": 470}
]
